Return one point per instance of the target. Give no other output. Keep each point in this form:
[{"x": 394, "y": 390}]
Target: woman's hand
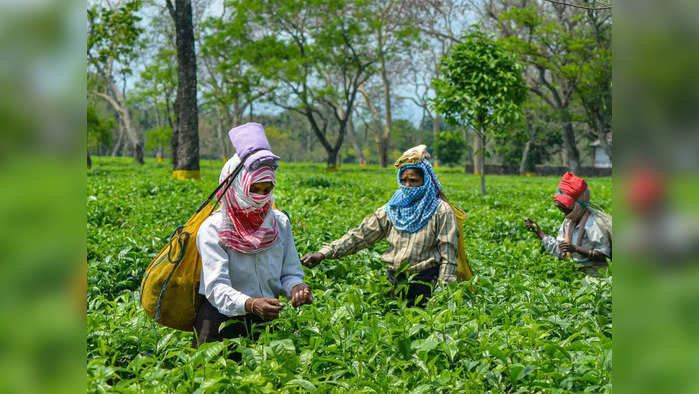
[
  {"x": 312, "y": 259},
  {"x": 534, "y": 227},
  {"x": 301, "y": 294},
  {"x": 567, "y": 247},
  {"x": 266, "y": 308}
]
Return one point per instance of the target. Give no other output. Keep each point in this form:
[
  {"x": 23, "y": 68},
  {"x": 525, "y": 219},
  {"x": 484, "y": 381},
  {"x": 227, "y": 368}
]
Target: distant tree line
[{"x": 341, "y": 81}]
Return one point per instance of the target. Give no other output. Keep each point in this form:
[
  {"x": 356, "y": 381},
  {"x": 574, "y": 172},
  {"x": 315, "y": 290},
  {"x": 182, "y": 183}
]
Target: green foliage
[
  {"x": 113, "y": 35},
  {"x": 481, "y": 85},
  {"x": 239, "y": 66},
  {"x": 99, "y": 130},
  {"x": 158, "y": 138},
  {"x": 534, "y": 323},
  {"x": 568, "y": 53},
  {"x": 306, "y": 42},
  {"x": 449, "y": 146},
  {"x": 318, "y": 53},
  {"x": 157, "y": 86},
  {"x": 537, "y": 126}
]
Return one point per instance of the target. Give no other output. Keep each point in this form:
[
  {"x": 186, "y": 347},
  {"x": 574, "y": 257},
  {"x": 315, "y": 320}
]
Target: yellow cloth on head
[{"x": 412, "y": 156}]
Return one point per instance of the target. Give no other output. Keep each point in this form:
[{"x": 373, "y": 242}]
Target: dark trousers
[
  {"x": 414, "y": 290},
  {"x": 209, "y": 319}
]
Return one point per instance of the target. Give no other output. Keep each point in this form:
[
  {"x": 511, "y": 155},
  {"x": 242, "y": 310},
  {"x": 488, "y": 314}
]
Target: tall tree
[
  {"x": 395, "y": 34},
  {"x": 553, "y": 40},
  {"x": 321, "y": 55},
  {"x": 185, "y": 136},
  {"x": 157, "y": 87},
  {"x": 440, "y": 23},
  {"x": 481, "y": 87},
  {"x": 112, "y": 43},
  {"x": 531, "y": 140},
  {"x": 236, "y": 75},
  {"x": 595, "y": 87},
  {"x": 99, "y": 133}
]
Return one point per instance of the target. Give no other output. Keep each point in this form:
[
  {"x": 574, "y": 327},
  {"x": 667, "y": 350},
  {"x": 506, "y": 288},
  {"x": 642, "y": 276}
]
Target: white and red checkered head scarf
[{"x": 249, "y": 224}]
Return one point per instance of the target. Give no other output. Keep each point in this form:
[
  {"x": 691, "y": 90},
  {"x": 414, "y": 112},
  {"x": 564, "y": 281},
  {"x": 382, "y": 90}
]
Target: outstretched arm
[
  {"x": 371, "y": 230},
  {"x": 534, "y": 227}
]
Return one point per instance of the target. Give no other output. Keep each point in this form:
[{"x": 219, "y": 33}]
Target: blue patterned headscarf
[{"x": 411, "y": 208}]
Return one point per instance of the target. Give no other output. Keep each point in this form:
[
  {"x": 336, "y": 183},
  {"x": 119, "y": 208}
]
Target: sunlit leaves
[{"x": 533, "y": 323}]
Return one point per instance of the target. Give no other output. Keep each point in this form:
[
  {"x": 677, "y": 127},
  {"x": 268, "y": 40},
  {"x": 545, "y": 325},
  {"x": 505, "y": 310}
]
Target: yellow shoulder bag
[
  {"x": 463, "y": 269},
  {"x": 170, "y": 285}
]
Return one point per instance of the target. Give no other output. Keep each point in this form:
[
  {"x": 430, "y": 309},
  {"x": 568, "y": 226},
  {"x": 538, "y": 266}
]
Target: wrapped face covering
[
  {"x": 249, "y": 224},
  {"x": 410, "y": 208}
]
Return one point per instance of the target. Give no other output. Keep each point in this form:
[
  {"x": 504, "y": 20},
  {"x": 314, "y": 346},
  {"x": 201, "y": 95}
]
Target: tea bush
[{"x": 532, "y": 324}]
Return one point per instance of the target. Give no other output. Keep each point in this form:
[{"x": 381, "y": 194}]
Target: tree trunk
[
  {"x": 118, "y": 103},
  {"x": 524, "y": 166},
  {"x": 482, "y": 160},
  {"x": 186, "y": 113},
  {"x": 332, "y": 159},
  {"x": 571, "y": 153},
  {"x": 229, "y": 120},
  {"x": 138, "y": 152},
  {"x": 119, "y": 140},
  {"x": 89, "y": 161},
  {"x": 174, "y": 142},
  {"x": 220, "y": 134},
  {"x": 382, "y": 149},
  {"x": 355, "y": 144},
  {"x": 158, "y": 122},
  {"x": 376, "y": 122},
  {"x": 478, "y": 157},
  {"x": 236, "y": 118},
  {"x": 435, "y": 133},
  {"x": 467, "y": 159},
  {"x": 421, "y": 134},
  {"x": 386, "y": 137},
  {"x": 159, "y": 154},
  {"x": 238, "y": 113}
]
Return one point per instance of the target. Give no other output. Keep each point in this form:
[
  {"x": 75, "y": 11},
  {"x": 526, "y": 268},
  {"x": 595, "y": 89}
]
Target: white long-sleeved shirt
[
  {"x": 229, "y": 278},
  {"x": 594, "y": 238}
]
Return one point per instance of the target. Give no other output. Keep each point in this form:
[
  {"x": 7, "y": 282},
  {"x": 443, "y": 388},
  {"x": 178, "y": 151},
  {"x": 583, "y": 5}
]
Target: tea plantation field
[{"x": 533, "y": 324}]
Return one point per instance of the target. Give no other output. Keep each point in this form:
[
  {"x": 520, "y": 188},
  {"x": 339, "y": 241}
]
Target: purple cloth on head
[{"x": 250, "y": 142}]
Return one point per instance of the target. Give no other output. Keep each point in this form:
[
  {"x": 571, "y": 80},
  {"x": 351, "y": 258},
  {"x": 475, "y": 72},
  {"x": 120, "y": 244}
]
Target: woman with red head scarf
[
  {"x": 247, "y": 250},
  {"x": 585, "y": 236}
]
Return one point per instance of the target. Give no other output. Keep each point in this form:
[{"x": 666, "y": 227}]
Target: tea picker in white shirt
[
  {"x": 248, "y": 253},
  {"x": 585, "y": 236}
]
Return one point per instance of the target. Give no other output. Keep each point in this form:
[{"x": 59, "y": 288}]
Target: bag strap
[{"x": 225, "y": 185}]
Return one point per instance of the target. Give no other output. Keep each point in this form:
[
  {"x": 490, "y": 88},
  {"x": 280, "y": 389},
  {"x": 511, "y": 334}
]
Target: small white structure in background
[{"x": 601, "y": 158}]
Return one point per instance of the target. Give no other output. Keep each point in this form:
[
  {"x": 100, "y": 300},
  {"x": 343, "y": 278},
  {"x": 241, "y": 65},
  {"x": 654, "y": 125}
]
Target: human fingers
[
  {"x": 270, "y": 311},
  {"x": 274, "y": 302},
  {"x": 311, "y": 262},
  {"x": 295, "y": 297}
]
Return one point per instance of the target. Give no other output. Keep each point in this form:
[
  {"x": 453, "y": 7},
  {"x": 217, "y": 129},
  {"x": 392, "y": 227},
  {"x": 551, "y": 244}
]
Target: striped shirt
[{"x": 433, "y": 245}]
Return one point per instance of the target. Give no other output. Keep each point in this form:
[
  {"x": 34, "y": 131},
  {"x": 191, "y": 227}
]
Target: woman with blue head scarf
[{"x": 418, "y": 224}]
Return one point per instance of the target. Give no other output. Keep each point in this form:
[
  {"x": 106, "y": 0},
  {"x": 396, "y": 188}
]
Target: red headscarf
[
  {"x": 570, "y": 189},
  {"x": 249, "y": 225}
]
